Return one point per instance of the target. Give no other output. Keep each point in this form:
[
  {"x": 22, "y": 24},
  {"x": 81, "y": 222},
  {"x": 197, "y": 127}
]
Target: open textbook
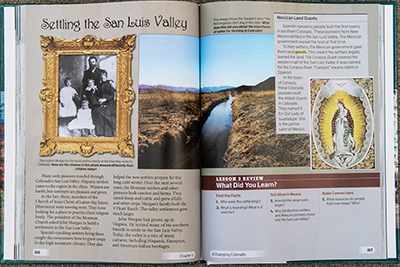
[{"x": 269, "y": 136}]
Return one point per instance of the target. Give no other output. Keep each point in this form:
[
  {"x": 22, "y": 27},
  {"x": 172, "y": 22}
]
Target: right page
[
  {"x": 298, "y": 137},
  {"x": 102, "y": 134}
]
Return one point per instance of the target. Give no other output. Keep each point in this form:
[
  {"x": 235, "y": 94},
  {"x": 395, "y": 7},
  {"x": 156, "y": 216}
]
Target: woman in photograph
[{"x": 104, "y": 114}]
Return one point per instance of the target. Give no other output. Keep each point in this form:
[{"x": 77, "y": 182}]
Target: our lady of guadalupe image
[
  {"x": 344, "y": 145},
  {"x": 342, "y": 127}
]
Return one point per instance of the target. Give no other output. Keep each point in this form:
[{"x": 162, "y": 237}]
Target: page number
[
  {"x": 366, "y": 250},
  {"x": 41, "y": 252}
]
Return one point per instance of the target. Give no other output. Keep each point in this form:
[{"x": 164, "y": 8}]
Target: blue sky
[
  {"x": 236, "y": 59},
  {"x": 169, "y": 60}
]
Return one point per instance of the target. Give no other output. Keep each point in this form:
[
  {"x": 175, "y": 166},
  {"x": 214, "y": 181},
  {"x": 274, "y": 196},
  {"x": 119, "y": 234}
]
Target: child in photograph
[
  {"x": 83, "y": 125},
  {"x": 92, "y": 88},
  {"x": 92, "y": 94},
  {"x": 67, "y": 107}
]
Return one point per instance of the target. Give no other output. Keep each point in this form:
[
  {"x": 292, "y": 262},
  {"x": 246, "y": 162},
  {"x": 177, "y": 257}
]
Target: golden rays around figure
[{"x": 327, "y": 111}]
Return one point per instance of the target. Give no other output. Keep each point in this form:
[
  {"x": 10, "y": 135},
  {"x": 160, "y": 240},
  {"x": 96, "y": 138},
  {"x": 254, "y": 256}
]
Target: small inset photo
[{"x": 342, "y": 123}]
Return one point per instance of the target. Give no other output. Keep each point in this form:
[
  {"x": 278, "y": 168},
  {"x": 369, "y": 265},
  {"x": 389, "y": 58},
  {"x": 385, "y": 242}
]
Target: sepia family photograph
[{"x": 87, "y": 96}]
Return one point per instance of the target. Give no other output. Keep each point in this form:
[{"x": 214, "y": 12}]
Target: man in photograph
[{"x": 92, "y": 73}]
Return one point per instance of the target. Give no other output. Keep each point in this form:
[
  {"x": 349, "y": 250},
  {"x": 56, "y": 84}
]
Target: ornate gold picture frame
[{"x": 67, "y": 62}]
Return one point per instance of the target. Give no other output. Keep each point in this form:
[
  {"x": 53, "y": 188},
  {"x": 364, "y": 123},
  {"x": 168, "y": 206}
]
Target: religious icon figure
[
  {"x": 342, "y": 123},
  {"x": 342, "y": 135}
]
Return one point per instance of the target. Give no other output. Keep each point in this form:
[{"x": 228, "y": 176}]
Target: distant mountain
[
  {"x": 144, "y": 88},
  {"x": 214, "y": 88},
  {"x": 267, "y": 85}
]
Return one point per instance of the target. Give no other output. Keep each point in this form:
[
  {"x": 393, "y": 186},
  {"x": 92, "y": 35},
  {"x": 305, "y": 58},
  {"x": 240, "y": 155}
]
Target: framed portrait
[{"x": 87, "y": 96}]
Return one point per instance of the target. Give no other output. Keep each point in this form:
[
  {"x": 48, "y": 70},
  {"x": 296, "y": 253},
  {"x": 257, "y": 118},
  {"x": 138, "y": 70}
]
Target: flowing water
[{"x": 215, "y": 134}]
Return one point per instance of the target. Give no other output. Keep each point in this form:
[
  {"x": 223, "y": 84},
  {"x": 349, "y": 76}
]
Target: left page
[{"x": 107, "y": 142}]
